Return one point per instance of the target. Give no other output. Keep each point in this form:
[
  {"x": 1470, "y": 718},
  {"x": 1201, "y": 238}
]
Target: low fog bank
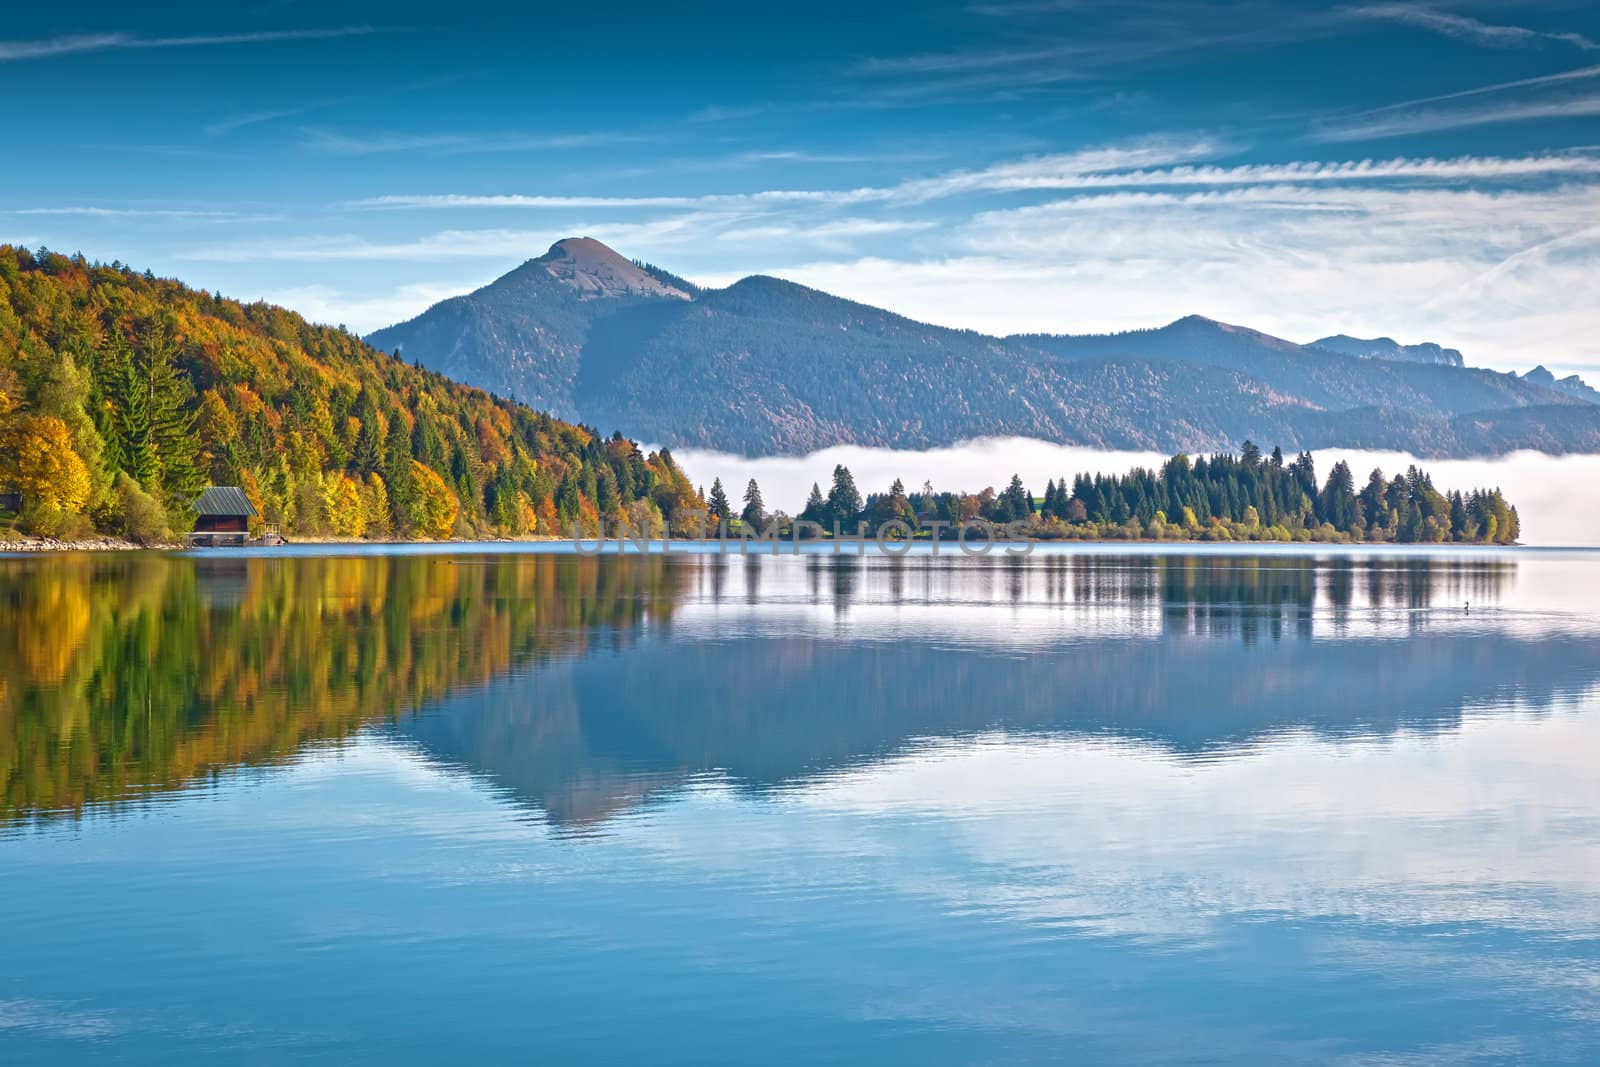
[{"x": 1552, "y": 494}]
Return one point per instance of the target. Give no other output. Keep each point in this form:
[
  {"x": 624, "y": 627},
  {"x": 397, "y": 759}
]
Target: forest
[
  {"x": 123, "y": 394},
  {"x": 1224, "y": 497}
]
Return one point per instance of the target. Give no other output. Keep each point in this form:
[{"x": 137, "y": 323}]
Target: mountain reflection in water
[
  {"x": 1280, "y": 806},
  {"x": 583, "y": 686}
]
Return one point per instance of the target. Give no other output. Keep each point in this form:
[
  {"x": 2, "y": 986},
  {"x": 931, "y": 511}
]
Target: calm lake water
[{"x": 1086, "y": 805}]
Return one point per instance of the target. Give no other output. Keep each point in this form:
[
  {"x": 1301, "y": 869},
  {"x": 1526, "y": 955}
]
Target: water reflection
[
  {"x": 1249, "y": 807},
  {"x": 587, "y": 684},
  {"x": 127, "y": 674}
]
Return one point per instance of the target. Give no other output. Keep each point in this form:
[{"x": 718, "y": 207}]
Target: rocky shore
[{"x": 94, "y": 544}]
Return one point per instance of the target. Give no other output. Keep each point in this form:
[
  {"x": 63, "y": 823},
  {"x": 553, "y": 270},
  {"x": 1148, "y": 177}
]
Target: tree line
[
  {"x": 122, "y": 394},
  {"x": 1244, "y": 496}
]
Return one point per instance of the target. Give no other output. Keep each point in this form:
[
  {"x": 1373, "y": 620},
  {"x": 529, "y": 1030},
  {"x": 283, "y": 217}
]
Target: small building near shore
[{"x": 224, "y": 515}]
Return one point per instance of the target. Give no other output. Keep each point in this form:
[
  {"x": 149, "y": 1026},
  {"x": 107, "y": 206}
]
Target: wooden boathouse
[{"x": 224, "y": 515}]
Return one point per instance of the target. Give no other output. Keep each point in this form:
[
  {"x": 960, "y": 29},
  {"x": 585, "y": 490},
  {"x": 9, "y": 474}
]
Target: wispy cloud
[
  {"x": 1137, "y": 33},
  {"x": 1529, "y": 100},
  {"x": 94, "y": 212},
  {"x": 329, "y": 305},
  {"x": 75, "y": 44},
  {"x": 1542, "y": 81},
  {"x": 1488, "y": 34},
  {"x": 334, "y": 143},
  {"x": 1508, "y": 276},
  {"x": 256, "y": 118},
  {"x": 1090, "y": 170},
  {"x": 444, "y": 245},
  {"x": 838, "y": 233},
  {"x": 726, "y": 113},
  {"x": 1147, "y": 31},
  {"x": 791, "y": 155},
  {"x": 447, "y": 201},
  {"x": 975, "y": 60},
  {"x": 1066, "y": 170},
  {"x": 1428, "y": 120}
]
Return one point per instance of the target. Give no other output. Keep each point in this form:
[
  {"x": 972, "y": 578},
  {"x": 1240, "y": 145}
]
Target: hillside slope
[{"x": 122, "y": 393}]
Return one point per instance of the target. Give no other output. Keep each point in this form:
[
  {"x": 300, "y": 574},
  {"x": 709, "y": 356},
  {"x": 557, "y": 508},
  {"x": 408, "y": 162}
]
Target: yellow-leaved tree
[
  {"x": 435, "y": 507},
  {"x": 375, "y": 505},
  {"x": 345, "y": 506},
  {"x": 37, "y": 458}
]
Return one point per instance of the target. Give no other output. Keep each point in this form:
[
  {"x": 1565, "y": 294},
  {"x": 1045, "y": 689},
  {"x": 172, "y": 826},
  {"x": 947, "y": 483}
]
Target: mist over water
[{"x": 1539, "y": 485}]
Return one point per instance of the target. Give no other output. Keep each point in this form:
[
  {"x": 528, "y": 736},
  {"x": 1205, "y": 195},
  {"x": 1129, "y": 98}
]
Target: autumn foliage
[{"x": 115, "y": 383}]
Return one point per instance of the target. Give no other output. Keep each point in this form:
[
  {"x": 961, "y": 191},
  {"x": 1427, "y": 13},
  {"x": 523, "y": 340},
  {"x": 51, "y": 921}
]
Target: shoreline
[
  {"x": 731, "y": 546},
  {"x": 84, "y": 544}
]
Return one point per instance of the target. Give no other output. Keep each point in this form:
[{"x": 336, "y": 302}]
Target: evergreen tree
[
  {"x": 127, "y": 418},
  {"x": 844, "y": 499},
  {"x": 1018, "y": 501},
  {"x": 1371, "y": 500},
  {"x": 171, "y": 426},
  {"x": 1337, "y": 503},
  {"x": 397, "y": 475},
  {"x": 718, "y": 503},
  {"x": 368, "y": 453},
  {"x": 754, "y": 515},
  {"x": 816, "y": 509}
]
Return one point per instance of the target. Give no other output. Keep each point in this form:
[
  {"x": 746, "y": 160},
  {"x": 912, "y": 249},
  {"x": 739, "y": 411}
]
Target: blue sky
[{"x": 1427, "y": 171}]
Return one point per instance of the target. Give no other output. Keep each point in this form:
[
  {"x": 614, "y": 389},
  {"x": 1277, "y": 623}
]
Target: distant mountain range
[
  {"x": 769, "y": 367},
  {"x": 1389, "y": 348}
]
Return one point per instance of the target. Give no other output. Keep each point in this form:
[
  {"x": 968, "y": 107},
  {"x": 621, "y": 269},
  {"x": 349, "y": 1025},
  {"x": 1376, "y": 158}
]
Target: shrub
[{"x": 140, "y": 516}]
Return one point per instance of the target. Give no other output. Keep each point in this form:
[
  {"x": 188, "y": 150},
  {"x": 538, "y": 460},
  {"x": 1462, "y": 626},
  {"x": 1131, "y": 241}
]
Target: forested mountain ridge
[
  {"x": 121, "y": 394},
  {"x": 767, "y": 366}
]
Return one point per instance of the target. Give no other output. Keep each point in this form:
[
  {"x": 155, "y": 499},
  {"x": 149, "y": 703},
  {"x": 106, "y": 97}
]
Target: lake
[{"x": 1286, "y": 805}]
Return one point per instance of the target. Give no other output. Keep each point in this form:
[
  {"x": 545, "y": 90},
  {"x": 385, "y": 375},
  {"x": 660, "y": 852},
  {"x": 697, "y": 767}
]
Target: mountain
[
  {"x": 766, "y": 366},
  {"x": 523, "y": 335},
  {"x": 1572, "y": 385},
  {"x": 1389, "y": 348},
  {"x": 122, "y": 393}
]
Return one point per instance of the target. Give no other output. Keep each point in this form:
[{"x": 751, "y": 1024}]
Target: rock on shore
[{"x": 97, "y": 544}]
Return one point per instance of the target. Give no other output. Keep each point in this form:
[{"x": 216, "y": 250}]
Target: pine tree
[
  {"x": 128, "y": 419},
  {"x": 718, "y": 504},
  {"x": 844, "y": 499},
  {"x": 1019, "y": 502},
  {"x": 172, "y": 435},
  {"x": 397, "y": 475},
  {"x": 899, "y": 504},
  {"x": 816, "y": 508},
  {"x": 1337, "y": 503},
  {"x": 368, "y": 454},
  {"x": 754, "y": 515}
]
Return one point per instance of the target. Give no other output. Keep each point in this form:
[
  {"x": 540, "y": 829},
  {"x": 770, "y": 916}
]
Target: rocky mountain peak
[{"x": 596, "y": 271}]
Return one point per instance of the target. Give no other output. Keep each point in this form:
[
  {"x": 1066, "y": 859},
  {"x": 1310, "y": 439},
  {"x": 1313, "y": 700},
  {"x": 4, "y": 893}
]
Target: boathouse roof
[{"x": 224, "y": 500}]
